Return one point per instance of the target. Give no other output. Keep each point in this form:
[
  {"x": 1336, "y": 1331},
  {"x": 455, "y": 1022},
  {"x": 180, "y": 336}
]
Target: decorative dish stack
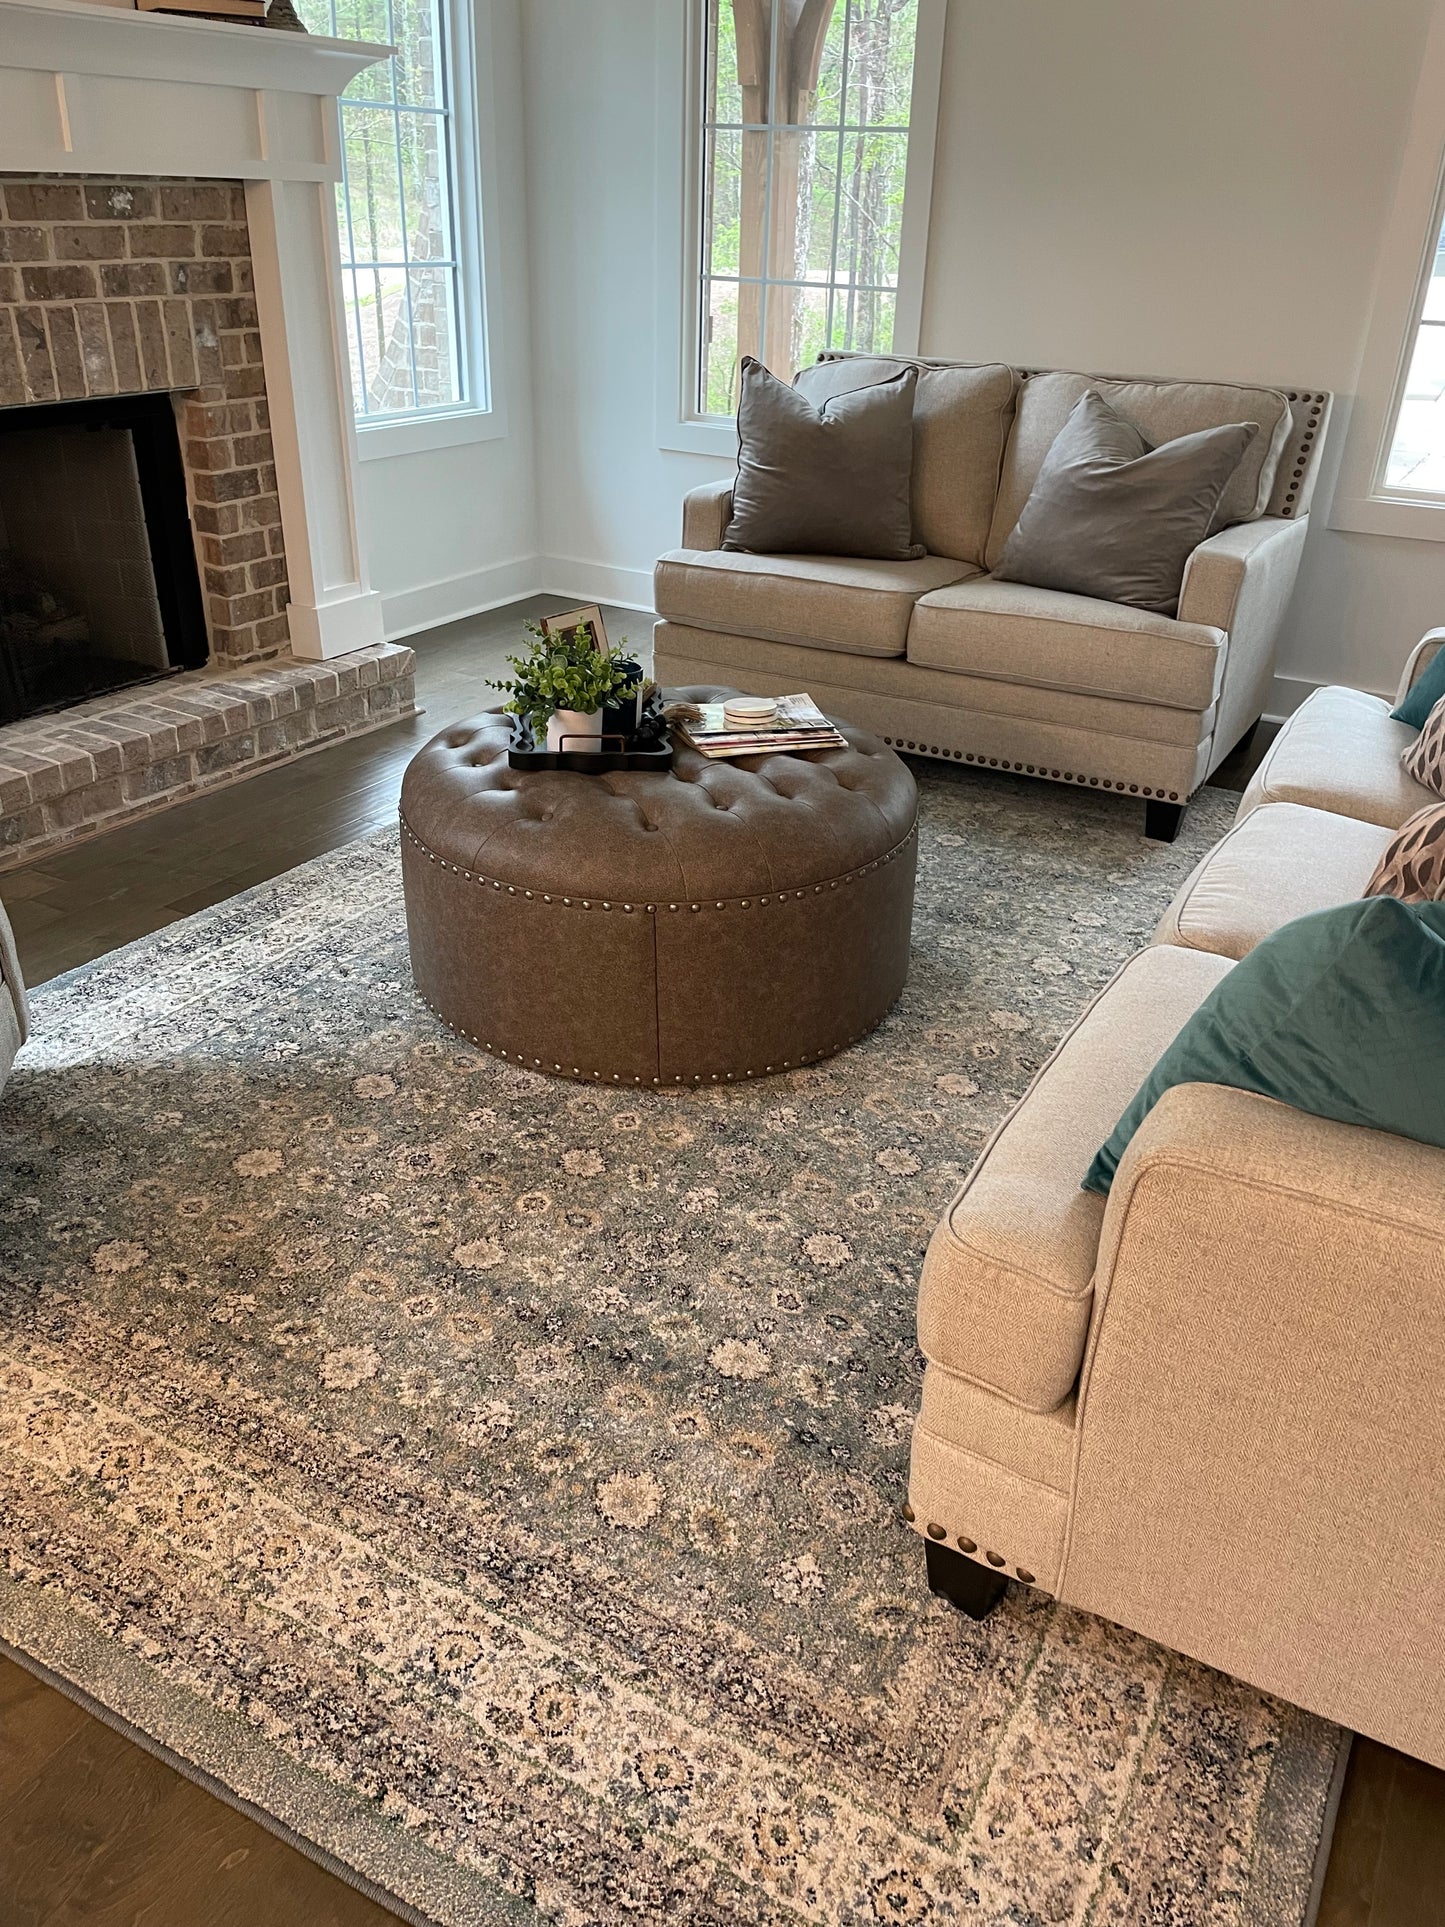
[{"x": 759, "y": 725}]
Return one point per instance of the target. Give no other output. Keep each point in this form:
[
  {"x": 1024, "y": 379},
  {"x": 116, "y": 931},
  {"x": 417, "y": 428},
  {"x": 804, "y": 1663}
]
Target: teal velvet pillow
[
  {"x": 1341, "y": 1013},
  {"x": 1429, "y": 688}
]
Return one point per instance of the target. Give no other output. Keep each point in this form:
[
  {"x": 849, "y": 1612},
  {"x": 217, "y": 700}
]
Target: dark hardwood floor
[{"x": 96, "y": 1832}]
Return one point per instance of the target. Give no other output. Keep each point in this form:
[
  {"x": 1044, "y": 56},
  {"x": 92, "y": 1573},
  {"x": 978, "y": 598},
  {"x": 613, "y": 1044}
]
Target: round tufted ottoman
[{"x": 719, "y": 922}]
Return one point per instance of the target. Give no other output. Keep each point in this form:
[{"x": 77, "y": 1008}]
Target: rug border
[{"x": 347, "y": 1839}]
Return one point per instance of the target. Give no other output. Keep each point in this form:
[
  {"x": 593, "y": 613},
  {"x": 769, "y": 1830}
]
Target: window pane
[
  {"x": 416, "y": 33},
  {"x": 872, "y": 208},
  {"x": 433, "y": 337},
  {"x": 724, "y": 186},
  {"x": 720, "y": 356},
  {"x": 1435, "y": 292},
  {"x": 881, "y": 36},
  {"x": 1417, "y": 455},
  {"x": 373, "y": 182},
  {"x": 722, "y": 93}
]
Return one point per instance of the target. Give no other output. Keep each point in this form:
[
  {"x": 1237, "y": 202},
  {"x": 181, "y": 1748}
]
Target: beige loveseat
[
  {"x": 1209, "y": 1407},
  {"x": 941, "y": 659}
]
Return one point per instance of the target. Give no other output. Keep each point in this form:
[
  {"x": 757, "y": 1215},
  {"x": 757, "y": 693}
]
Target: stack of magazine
[{"x": 797, "y": 725}]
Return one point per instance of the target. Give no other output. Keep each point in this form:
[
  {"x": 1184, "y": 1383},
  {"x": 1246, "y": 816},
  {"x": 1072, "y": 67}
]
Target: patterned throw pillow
[
  {"x": 1413, "y": 867},
  {"x": 1425, "y": 758}
]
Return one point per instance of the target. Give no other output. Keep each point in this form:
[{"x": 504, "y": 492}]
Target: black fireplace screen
[{"x": 98, "y": 580}]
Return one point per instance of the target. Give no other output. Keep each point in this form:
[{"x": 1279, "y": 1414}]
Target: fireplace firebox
[{"x": 99, "y": 586}]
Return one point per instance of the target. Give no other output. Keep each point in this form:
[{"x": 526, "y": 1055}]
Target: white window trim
[
  {"x": 1362, "y": 504},
  {"x": 679, "y": 108},
  {"x": 471, "y": 70}
]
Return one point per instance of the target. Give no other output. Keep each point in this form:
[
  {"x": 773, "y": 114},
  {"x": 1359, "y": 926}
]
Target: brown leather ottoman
[{"x": 720, "y": 922}]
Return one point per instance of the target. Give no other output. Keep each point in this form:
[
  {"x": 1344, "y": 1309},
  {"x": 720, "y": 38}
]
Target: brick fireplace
[
  {"x": 136, "y": 286},
  {"x": 214, "y": 291}
]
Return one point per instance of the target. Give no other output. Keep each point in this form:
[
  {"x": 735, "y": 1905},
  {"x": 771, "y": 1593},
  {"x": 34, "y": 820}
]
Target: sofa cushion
[
  {"x": 1161, "y": 410},
  {"x": 1277, "y": 863},
  {"x": 1112, "y": 516},
  {"x": 1340, "y": 751},
  {"x": 819, "y": 601},
  {"x": 834, "y": 479},
  {"x": 961, "y": 419},
  {"x": 1008, "y": 630},
  {"x": 1008, "y": 1280}
]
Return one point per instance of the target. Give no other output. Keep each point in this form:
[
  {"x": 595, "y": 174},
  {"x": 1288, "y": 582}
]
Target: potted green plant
[{"x": 563, "y": 684}]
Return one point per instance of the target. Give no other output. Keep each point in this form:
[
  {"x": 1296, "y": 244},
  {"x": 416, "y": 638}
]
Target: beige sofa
[
  {"x": 1209, "y": 1406},
  {"x": 941, "y": 659},
  {"x": 14, "y": 1008}
]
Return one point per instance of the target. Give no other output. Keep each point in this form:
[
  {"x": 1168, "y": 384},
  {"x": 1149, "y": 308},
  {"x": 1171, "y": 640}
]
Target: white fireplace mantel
[{"x": 103, "y": 90}]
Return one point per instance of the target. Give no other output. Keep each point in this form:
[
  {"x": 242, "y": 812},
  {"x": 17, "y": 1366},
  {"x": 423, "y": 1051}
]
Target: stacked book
[{"x": 758, "y": 725}]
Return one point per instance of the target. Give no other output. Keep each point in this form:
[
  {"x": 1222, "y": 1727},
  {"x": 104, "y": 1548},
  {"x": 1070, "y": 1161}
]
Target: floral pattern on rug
[{"x": 524, "y": 1459}]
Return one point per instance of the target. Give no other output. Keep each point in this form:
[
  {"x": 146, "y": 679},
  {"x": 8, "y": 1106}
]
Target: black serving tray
[{"x": 617, "y": 752}]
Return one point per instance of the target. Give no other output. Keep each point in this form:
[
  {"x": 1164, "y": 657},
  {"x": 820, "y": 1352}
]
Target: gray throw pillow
[
  {"x": 1110, "y": 516},
  {"x": 834, "y": 480}
]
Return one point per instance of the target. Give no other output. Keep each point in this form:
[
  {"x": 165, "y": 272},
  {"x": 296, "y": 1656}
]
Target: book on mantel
[{"x": 797, "y": 724}]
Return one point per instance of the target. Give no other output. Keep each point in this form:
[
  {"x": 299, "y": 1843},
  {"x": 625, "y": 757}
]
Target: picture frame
[{"x": 588, "y": 617}]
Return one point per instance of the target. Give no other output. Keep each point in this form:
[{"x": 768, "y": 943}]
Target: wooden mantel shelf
[{"x": 66, "y": 38}]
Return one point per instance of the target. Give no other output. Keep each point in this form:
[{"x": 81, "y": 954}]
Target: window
[
  {"x": 1415, "y": 460},
  {"x": 807, "y": 107},
  {"x": 1392, "y": 472},
  {"x": 409, "y": 322}
]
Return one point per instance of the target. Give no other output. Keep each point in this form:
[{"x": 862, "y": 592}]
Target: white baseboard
[
  {"x": 1288, "y": 692},
  {"x": 409, "y": 610},
  {"x": 597, "y": 582}
]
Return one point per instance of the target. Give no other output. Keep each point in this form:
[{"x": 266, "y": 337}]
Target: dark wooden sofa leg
[
  {"x": 1162, "y": 820},
  {"x": 973, "y": 1589}
]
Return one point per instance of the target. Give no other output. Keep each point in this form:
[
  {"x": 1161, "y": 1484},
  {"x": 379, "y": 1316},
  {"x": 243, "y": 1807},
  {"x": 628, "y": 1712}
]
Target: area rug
[{"x": 496, "y": 1481}]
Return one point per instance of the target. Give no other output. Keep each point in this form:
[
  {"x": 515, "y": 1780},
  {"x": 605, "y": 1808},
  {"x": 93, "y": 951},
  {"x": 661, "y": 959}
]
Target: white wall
[
  {"x": 454, "y": 530},
  {"x": 608, "y": 497},
  {"x": 1128, "y": 185}
]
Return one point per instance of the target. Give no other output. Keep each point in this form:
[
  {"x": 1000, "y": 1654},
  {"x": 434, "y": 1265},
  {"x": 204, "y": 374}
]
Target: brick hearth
[{"x": 84, "y": 770}]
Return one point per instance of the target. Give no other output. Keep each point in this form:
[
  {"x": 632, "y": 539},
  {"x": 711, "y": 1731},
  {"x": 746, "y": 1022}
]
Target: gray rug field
[{"x": 495, "y": 1481}]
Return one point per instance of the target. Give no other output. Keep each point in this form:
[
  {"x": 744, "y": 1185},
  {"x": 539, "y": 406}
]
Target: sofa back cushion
[
  {"x": 961, "y": 419},
  {"x": 1162, "y": 411}
]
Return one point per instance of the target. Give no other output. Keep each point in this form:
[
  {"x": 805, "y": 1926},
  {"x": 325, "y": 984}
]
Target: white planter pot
[{"x": 572, "y": 723}]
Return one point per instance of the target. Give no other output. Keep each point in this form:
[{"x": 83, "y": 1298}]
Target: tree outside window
[{"x": 806, "y": 107}]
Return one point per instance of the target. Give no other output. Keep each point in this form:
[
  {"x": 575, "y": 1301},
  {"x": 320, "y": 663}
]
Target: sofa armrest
[
  {"x": 1261, "y": 1431},
  {"x": 706, "y": 512},
  {"x": 1421, "y": 657},
  {"x": 1241, "y": 573},
  {"x": 1241, "y": 581}
]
